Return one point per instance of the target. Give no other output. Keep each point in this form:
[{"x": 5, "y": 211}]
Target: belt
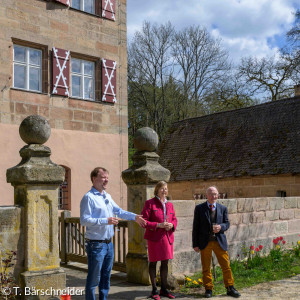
[{"x": 99, "y": 241}]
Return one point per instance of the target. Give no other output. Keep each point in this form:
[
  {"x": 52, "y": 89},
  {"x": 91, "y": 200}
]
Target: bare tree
[
  {"x": 149, "y": 67},
  {"x": 293, "y": 34},
  {"x": 269, "y": 75},
  {"x": 292, "y": 51},
  {"x": 275, "y": 76},
  {"x": 229, "y": 94},
  {"x": 175, "y": 75},
  {"x": 201, "y": 63}
]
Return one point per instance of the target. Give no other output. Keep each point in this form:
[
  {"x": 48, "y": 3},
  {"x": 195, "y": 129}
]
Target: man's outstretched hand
[{"x": 140, "y": 220}]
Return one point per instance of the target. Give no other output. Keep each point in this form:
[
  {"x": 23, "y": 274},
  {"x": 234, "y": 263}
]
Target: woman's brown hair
[{"x": 158, "y": 186}]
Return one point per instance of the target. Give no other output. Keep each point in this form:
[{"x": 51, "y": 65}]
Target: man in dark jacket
[{"x": 210, "y": 223}]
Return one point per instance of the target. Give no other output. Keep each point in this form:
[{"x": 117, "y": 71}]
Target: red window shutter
[
  {"x": 65, "y": 2},
  {"x": 60, "y": 71},
  {"x": 109, "y": 9},
  {"x": 109, "y": 81}
]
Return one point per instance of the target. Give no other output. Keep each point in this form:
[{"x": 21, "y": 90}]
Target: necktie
[{"x": 211, "y": 207}]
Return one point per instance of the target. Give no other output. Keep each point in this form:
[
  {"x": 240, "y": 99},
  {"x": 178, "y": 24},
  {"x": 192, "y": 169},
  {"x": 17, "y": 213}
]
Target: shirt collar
[
  {"x": 96, "y": 192},
  {"x": 161, "y": 201},
  {"x": 208, "y": 204}
]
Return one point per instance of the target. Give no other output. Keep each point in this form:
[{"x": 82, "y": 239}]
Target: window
[
  {"x": 64, "y": 191},
  {"x": 104, "y": 8},
  {"x": 84, "y": 5},
  {"x": 82, "y": 79},
  {"x": 280, "y": 193},
  {"x": 27, "y": 68}
]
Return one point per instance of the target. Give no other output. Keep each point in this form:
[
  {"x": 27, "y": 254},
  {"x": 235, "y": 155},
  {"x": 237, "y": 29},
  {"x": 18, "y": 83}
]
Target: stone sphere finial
[
  {"x": 35, "y": 130},
  {"x": 145, "y": 139}
]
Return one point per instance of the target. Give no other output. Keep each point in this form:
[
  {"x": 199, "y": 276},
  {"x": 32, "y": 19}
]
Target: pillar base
[
  {"x": 42, "y": 284},
  {"x": 137, "y": 268}
]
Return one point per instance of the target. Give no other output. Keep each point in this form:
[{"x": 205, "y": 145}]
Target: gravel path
[{"x": 286, "y": 289}]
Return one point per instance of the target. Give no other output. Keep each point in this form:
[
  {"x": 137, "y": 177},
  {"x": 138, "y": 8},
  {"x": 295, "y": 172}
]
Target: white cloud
[
  {"x": 250, "y": 18},
  {"x": 246, "y": 27},
  {"x": 241, "y": 47}
]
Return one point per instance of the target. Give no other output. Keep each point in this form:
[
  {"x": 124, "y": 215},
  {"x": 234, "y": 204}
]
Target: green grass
[{"x": 252, "y": 272}]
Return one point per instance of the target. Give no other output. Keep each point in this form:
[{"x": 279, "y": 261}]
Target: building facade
[
  {"x": 246, "y": 153},
  {"x": 66, "y": 60}
]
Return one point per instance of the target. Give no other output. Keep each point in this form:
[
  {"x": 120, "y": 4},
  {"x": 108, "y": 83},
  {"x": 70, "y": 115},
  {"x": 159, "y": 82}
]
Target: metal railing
[{"x": 72, "y": 241}]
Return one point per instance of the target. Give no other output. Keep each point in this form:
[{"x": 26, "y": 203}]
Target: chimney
[{"x": 297, "y": 90}]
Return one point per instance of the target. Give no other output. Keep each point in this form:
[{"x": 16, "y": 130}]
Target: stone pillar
[
  {"x": 141, "y": 179},
  {"x": 36, "y": 180}
]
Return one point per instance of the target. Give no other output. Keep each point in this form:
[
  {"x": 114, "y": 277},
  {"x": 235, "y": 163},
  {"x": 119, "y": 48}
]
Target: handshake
[{"x": 138, "y": 219}]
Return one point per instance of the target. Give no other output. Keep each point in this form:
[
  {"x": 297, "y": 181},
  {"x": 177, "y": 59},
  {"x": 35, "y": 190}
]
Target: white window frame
[
  {"x": 27, "y": 66},
  {"x": 82, "y": 6},
  {"x": 82, "y": 78}
]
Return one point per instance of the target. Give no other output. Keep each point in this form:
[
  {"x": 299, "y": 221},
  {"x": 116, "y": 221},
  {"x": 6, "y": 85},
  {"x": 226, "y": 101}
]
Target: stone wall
[
  {"x": 254, "y": 221},
  {"x": 250, "y": 187},
  {"x": 11, "y": 235}
]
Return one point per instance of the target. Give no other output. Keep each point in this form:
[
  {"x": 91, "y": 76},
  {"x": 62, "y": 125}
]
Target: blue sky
[{"x": 246, "y": 27}]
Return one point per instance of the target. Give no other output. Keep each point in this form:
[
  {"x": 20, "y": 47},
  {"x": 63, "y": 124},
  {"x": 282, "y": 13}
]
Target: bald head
[
  {"x": 212, "y": 194},
  {"x": 212, "y": 188}
]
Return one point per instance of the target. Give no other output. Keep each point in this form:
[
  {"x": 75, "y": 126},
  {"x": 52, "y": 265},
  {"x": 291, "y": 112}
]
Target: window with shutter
[
  {"x": 109, "y": 80},
  {"x": 82, "y": 79},
  {"x": 109, "y": 9},
  {"x": 60, "y": 72},
  {"x": 65, "y": 2}
]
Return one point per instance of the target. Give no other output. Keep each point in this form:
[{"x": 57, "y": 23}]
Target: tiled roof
[{"x": 257, "y": 140}]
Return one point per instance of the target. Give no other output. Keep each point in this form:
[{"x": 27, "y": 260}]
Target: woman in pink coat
[{"x": 161, "y": 224}]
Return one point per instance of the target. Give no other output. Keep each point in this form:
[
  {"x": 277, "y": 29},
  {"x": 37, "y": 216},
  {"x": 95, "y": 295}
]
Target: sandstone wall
[
  {"x": 86, "y": 134},
  {"x": 254, "y": 221},
  {"x": 257, "y": 186},
  {"x": 50, "y": 24},
  {"x": 11, "y": 235}
]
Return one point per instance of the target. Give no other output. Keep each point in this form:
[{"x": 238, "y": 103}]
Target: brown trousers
[{"x": 224, "y": 263}]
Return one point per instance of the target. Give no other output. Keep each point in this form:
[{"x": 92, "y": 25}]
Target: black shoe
[
  {"x": 231, "y": 291},
  {"x": 208, "y": 293}
]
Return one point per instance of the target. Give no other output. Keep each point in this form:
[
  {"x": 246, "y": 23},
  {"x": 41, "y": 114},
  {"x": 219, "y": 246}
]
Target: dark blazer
[
  {"x": 202, "y": 225},
  {"x": 153, "y": 212}
]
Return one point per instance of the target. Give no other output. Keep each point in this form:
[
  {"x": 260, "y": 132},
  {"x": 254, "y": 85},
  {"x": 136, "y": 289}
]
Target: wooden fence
[{"x": 72, "y": 241}]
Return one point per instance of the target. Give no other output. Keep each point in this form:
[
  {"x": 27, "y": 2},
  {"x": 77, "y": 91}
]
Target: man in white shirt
[{"x": 97, "y": 210}]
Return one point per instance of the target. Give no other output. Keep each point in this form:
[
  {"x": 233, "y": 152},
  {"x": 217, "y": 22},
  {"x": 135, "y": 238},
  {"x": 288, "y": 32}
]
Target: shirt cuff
[{"x": 104, "y": 221}]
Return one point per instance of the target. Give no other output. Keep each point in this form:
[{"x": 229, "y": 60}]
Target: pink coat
[{"x": 153, "y": 212}]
